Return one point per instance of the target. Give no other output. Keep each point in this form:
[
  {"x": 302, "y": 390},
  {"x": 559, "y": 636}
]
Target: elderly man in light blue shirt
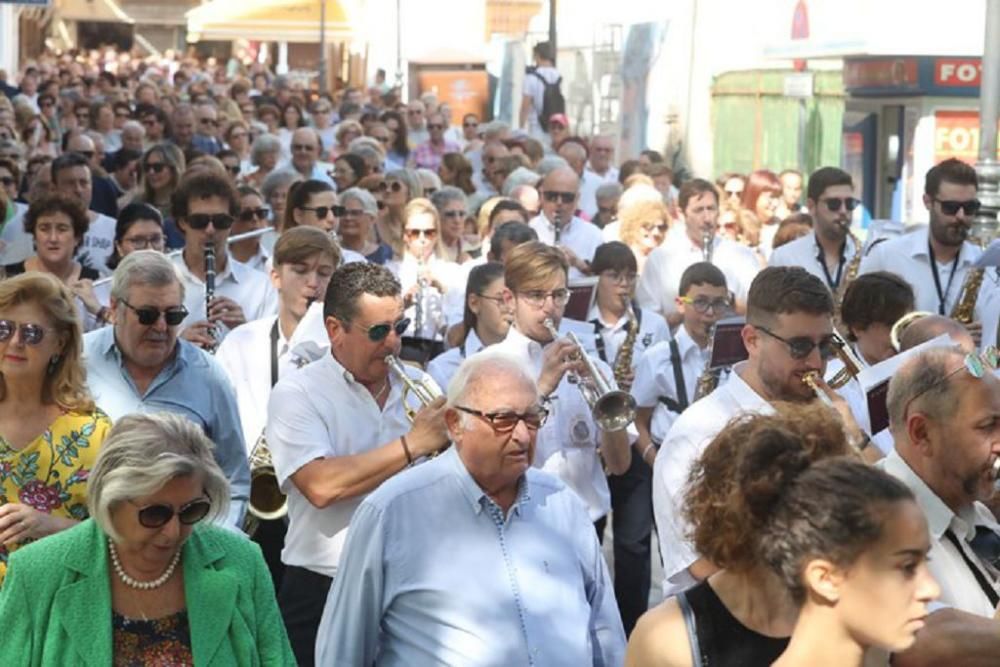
[
  {"x": 476, "y": 558},
  {"x": 139, "y": 365}
]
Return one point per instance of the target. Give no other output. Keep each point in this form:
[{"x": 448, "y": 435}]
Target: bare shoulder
[{"x": 660, "y": 638}]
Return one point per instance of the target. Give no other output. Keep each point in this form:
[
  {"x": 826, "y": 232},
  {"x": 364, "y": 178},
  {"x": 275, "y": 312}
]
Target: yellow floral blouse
[{"x": 50, "y": 473}]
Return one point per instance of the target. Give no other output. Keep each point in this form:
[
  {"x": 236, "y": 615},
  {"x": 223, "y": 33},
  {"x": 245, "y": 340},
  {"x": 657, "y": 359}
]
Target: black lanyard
[
  {"x": 981, "y": 579},
  {"x": 942, "y": 296},
  {"x": 833, "y": 283},
  {"x": 274, "y": 353}
]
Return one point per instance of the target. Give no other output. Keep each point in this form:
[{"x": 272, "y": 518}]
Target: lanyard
[
  {"x": 981, "y": 579},
  {"x": 942, "y": 296},
  {"x": 833, "y": 283}
]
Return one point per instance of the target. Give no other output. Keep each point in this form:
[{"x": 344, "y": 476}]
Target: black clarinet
[{"x": 210, "y": 290}]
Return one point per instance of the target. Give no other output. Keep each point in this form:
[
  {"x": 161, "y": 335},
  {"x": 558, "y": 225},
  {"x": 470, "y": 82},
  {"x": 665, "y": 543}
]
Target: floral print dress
[{"x": 50, "y": 473}]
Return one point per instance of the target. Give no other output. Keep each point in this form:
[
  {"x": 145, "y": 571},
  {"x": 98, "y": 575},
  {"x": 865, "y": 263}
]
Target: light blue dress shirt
[
  {"x": 434, "y": 574},
  {"x": 192, "y": 384}
]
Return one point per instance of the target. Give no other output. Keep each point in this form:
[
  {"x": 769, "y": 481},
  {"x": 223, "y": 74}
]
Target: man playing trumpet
[{"x": 337, "y": 429}]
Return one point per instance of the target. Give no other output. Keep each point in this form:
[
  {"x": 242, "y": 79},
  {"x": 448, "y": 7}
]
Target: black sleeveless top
[{"x": 718, "y": 639}]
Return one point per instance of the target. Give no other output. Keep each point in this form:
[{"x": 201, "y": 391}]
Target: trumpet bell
[{"x": 614, "y": 411}]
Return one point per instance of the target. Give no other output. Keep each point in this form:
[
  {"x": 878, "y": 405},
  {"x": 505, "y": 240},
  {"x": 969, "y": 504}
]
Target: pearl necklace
[{"x": 135, "y": 583}]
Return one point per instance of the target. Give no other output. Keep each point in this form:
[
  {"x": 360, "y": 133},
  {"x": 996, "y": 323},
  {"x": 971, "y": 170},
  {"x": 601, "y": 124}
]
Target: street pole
[
  {"x": 987, "y": 168},
  {"x": 552, "y": 29},
  {"x": 322, "y": 47},
  {"x": 399, "y": 50}
]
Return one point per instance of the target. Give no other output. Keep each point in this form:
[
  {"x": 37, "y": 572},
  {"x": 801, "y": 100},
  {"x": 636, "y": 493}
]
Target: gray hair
[
  {"x": 921, "y": 384},
  {"x": 520, "y": 176},
  {"x": 488, "y": 363},
  {"x": 550, "y": 163},
  {"x": 609, "y": 189},
  {"x": 493, "y": 130},
  {"x": 363, "y": 197},
  {"x": 133, "y": 125},
  {"x": 141, "y": 454},
  {"x": 447, "y": 195},
  {"x": 429, "y": 179},
  {"x": 279, "y": 178},
  {"x": 409, "y": 178},
  {"x": 265, "y": 143},
  {"x": 143, "y": 267}
]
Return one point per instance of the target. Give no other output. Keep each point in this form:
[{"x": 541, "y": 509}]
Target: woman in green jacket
[{"x": 139, "y": 583}]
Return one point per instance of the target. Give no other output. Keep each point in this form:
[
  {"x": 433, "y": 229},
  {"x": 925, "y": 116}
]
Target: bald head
[
  {"x": 560, "y": 194},
  {"x": 920, "y": 386},
  {"x": 930, "y": 327},
  {"x": 575, "y": 155},
  {"x": 80, "y": 143}
]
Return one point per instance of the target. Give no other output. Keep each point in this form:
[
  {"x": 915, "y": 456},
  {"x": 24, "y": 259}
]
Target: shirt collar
[
  {"x": 939, "y": 516},
  {"x": 684, "y": 342},
  {"x": 594, "y": 316},
  {"x": 524, "y": 346},
  {"x": 920, "y": 240},
  {"x": 477, "y": 498},
  {"x": 748, "y": 399},
  {"x": 233, "y": 269},
  {"x": 472, "y": 343}
]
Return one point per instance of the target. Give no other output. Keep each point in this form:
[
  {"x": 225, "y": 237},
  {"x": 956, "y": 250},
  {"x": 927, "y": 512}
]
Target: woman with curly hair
[
  {"x": 50, "y": 429},
  {"x": 644, "y": 226}
]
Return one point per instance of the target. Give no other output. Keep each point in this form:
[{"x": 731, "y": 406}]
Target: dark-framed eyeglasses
[
  {"x": 379, "y": 332},
  {"x": 454, "y": 214},
  {"x": 157, "y": 515},
  {"x": 835, "y": 203},
  {"x": 323, "y": 211},
  {"x": 203, "y": 220},
  {"x": 536, "y": 298},
  {"x": 30, "y": 333},
  {"x": 506, "y": 421},
  {"x": 249, "y": 214},
  {"x": 142, "y": 242},
  {"x": 395, "y": 186},
  {"x": 704, "y": 304},
  {"x": 951, "y": 207},
  {"x": 7, "y": 181},
  {"x": 801, "y": 347},
  {"x": 552, "y": 196},
  {"x": 977, "y": 365},
  {"x": 619, "y": 277},
  {"x": 661, "y": 227},
  {"x": 150, "y": 315}
]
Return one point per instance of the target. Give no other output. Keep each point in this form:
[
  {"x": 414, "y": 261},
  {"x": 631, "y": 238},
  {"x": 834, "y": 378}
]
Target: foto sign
[{"x": 31, "y": 3}]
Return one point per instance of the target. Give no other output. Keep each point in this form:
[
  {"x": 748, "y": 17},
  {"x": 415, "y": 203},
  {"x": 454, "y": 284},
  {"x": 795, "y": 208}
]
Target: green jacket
[{"x": 55, "y": 604}]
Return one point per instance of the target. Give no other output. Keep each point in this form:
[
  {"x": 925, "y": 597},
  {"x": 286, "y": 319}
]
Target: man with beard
[
  {"x": 828, "y": 250},
  {"x": 788, "y": 335},
  {"x": 936, "y": 260}
]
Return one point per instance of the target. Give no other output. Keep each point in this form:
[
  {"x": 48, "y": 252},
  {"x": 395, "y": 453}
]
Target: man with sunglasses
[
  {"x": 944, "y": 414},
  {"x": 461, "y": 560},
  {"x": 577, "y": 238},
  {"x": 828, "y": 250},
  {"x": 139, "y": 365},
  {"x": 337, "y": 429},
  {"x": 205, "y": 206},
  {"x": 936, "y": 259},
  {"x": 788, "y": 335},
  {"x": 428, "y": 154}
]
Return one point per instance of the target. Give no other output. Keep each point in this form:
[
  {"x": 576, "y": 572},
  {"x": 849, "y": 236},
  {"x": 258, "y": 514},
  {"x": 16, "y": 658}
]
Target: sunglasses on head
[
  {"x": 155, "y": 167},
  {"x": 976, "y": 364},
  {"x": 323, "y": 211},
  {"x": 156, "y": 516},
  {"x": 379, "y": 332},
  {"x": 30, "y": 334},
  {"x": 249, "y": 214},
  {"x": 834, "y": 203},
  {"x": 801, "y": 347},
  {"x": 202, "y": 220},
  {"x": 150, "y": 315},
  {"x": 553, "y": 196},
  {"x": 951, "y": 207}
]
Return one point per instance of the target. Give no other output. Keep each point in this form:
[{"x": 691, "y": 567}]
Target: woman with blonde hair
[
  {"x": 644, "y": 226},
  {"x": 50, "y": 429},
  {"x": 401, "y": 186},
  {"x": 347, "y": 131}
]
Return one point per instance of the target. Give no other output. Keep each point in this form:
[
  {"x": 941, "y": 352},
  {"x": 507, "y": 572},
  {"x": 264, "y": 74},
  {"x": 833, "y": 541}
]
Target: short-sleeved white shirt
[
  {"x": 98, "y": 243},
  {"x": 805, "y": 251},
  {"x": 652, "y": 330},
  {"x": 578, "y": 235}
]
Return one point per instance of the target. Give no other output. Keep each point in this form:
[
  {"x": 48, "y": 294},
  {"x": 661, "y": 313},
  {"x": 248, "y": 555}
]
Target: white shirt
[
  {"x": 652, "y": 330},
  {"x": 534, "y": 89},
  {"x": 907, "y": 257},
  {"x": 988, "y": 306},
  {"x": 589, "y": 183},
  {"x": 260, "y": 261},
  {"x": 98, "y": 243},
  {"x": 612, "y": 231},
  {"x": 661, "y": 276},
  {"x": 245, "y": 354},
  {"x": 319, "y": 412},
  {"x": 959, "y": 587},
  {"x": 610, "y": 176},
  {"x": 805, "y": 251},
  {"x": 432, "y": 317},
  {"x": 251, "y": 289},
  {"x": 567, "y": 444},
  {"x": 443, "y": 367},
  {"x": 654, "y": 377},
  {"x": 683, "y": 445},
  {"x": 577, "y": 234},
  {"x": 16, "y": 245}
]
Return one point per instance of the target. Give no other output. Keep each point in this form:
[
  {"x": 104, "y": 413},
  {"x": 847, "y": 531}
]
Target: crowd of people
[{"x": 343, "y": 379}]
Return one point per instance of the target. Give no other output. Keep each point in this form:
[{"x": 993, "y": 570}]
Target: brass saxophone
[
  {"x": 623, "y": 360},
  {"x": 964, "y": 311},
  {"x": 709, "y": 378},
  {"x": 849, "y": 276},
  {"x": 267, "y": 501}
]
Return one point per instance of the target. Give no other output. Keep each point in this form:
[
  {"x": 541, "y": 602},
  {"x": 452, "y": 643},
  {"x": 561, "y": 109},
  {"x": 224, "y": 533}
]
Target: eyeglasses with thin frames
[
  {"x": 537, "y": 298},
  {"x": 704, "y": 304},
  {"x": 29, "y": 333}
]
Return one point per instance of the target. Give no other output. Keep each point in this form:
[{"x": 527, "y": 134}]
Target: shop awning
[
  {"x": 270, "y": 20},
  {"x": 99, "y": 11}
]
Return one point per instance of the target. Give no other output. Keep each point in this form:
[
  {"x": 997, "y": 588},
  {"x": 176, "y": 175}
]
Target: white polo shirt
[
  {"x": 907, "y": 256},
  {"x": 609, "y": 338},
  {"x": 449, "y": 274},
  {"x": 661, "y": 276},
  {"x": 578, "y": 235},
  {"x": 684, "y": 444},
  {"x": 443, "y": 367},
  {"x": 320, "y": 412},
  {"x": 806, "y": 252}
]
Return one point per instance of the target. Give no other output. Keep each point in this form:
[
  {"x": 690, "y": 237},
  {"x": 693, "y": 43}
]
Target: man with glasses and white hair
[
  {"x": 478, "y": 508},
  {"x": 337, "y": 429},
  {"x": 558, "y": 224},
  {"x": 139, "y": 365}
]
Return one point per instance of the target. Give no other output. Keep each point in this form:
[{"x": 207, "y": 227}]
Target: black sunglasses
[
  {"x": 505, "y": 422},
  {"x": 156, "y": 167},
  {"x": 395, "y": 186},
  {"x": 233, "y": 169},
  {"x": 801, "y": 347},
  {"x": 202, "y": 220},
  {"x": 148, "y": 315},
  {"x": 156, "y": 516},
  {"x": 248, "y": 215},
  {"x": 434, "y": 126},
  {"x": 834, "y": 203},
  {"x": 31, "y": 334},
  {"x": 322, "y": 211},
  {"x": 379, "y": 332},
  {"x": 553, "y": 196},
  {"x": 950, "y": 207},
  {"x": 7, "y": 180}
]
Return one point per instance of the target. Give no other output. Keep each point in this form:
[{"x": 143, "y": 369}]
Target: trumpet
[
  {"x": 612, "y": 409},
  {"x": 852, "y": 365},
  {"x": 425, "y": 393},
  {"x": 810, "y": 380}
]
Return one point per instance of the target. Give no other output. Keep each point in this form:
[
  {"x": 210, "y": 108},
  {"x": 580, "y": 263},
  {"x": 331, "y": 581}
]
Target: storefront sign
[
  {"x": 905, "y": 76},
  {"x": 956, "y": 134},
  {"x": 799, "y": 85},
  {"x": 963, "y": 72}
]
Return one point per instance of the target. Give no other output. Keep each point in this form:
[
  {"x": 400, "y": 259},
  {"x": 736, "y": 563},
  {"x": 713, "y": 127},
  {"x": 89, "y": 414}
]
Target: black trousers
[
  {"x": 270, "y": 535},
  {"x": 632, "y": 525},
  {"x": 301, "y": 600}
]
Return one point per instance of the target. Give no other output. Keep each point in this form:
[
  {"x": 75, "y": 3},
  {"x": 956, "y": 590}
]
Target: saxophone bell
[{"x": 267, "y": 501}]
